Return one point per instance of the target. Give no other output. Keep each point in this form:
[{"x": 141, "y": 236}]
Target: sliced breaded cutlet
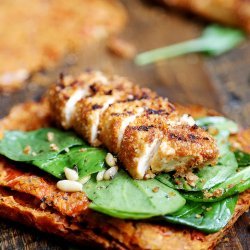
[{"x": 145, "y": 131}]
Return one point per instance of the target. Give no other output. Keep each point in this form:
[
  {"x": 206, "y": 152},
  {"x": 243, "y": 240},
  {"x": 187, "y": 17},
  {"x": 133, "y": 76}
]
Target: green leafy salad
[{"x": 205, "y": 200}]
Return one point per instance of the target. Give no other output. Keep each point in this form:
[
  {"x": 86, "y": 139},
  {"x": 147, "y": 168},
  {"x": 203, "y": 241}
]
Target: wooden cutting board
[{"x": 222, "y": 83}]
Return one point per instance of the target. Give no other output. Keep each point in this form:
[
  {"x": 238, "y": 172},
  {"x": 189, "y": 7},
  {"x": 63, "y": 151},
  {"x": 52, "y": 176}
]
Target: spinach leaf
[
  {"x": 237, "y": 183},
  {"x": 88, "y": 161},
  {"x": 14, "y": 143},
  {"x": 219, "y": 122},
  {"x": 207, "y": 217},
  {"x": 124, "y": 197},
  {"x": 242, "y": 158},
  {"x": 214, "y": 41},
  {"x": 209, "y": 176}
]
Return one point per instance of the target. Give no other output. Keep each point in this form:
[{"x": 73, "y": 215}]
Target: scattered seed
[
  {"x": 50, "y": 136},
  {"x": 66, "y": 150},
  {"x": 71, "y": 174},
  {"x": 82, "y": 149},
  {"x": 172, "y": 194},
  {"x": 27, "y": 150},
  {"x": 100, "y": 175},
  {"x": 85, "y": 179},
  {"x": 208, "y": 208},
  {"x": 198, "y": 216},
  {"x": 212, "y": 130},
  {"x": 191, "y": 179},
  {"x": 69, "y": 186},
  {"x": 110, "y": 173},
  {"x": 149, "y": 176},
  {"x": 110, "y": 160},
  {"x": 53, "y": 147},
  {"x": 34, "y": 153},
  {"x": 155, "y": 189}
]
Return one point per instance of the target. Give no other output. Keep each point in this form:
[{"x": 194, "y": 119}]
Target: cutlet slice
[
  {"x": 140, "y": 142},
  {"x": 183, "y": 147},
  {"x": 118, "y": 116},
  {"x": 158, "y": 142},
  {"x": 64, "y": 96},
  {"x": 87, "y": 116},
  {"x": 115, "y": 120}
]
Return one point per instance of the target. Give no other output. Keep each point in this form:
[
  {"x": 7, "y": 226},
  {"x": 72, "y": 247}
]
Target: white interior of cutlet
[
  {"x": 125, "y": 124},
  {"x": 71, "y": 104},
  {"x": 96, "y": 121},
  {"x": 145, "y": 159}
]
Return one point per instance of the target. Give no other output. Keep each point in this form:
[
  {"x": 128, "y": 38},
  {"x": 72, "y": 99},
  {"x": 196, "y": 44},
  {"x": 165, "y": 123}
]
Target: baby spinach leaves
[
  {"x": 126, "y": 198},
  {"x": 207, "y": 217},
  {"x": 68, "y": 151},
  {"x": 122, "y": 197},
  {"x": 237, "y": 183},
  {"x": 35, "y": 145}
]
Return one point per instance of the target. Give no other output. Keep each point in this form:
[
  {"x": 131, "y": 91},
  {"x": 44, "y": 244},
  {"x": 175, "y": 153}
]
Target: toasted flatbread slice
[
  {"x": 67, "y": 215},
  {"x": 230, "y": 12},
  {"x": 37, "y": 35}
]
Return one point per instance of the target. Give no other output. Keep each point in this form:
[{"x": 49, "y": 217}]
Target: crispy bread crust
[
  {"x": 30, "y": 41},
  {"x": 83, "y": 226},
  {"x": 230, "y": 12}
]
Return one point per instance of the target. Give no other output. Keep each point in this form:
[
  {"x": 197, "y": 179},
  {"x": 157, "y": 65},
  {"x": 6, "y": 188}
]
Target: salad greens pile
[
  {"x": 207, "y": 205},
  {"x": 214, "y": 41}
]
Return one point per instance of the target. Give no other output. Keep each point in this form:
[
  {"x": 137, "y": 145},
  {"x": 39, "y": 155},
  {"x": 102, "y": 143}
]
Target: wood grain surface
[{"x": 222, "y": 83}]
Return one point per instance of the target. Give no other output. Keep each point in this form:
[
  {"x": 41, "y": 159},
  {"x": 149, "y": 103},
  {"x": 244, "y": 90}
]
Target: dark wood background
[{"x": 222, "y": 83}]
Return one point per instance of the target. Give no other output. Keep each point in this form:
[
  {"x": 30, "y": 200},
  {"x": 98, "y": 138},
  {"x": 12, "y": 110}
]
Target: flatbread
[
  {"x": 37, "y": 34},
  {"x": 29, "y": 196},
  {"x": 230, "y": 12}
]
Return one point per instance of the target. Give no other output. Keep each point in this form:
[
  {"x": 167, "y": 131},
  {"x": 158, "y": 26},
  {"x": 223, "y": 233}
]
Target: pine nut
[
  {"x": 50, "y": 136},
  {"x": 110, "y": 160},
  {"x": 69, "y": 186},
  {"x": 110, "y": 173},
  {"x": 85, "y": 179},
  {"x": 71, "y": 174},
  {"x": 100, "y": 175}
]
